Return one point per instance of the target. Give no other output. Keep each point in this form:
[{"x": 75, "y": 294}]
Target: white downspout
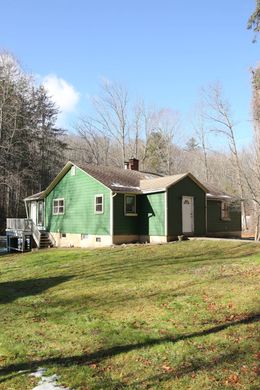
[
  {"x": 26, "y": 209},
  {"x": 166, "y": 213},
  {"x": 112, "y": 215},
  {"x": 206, "y": 214}
]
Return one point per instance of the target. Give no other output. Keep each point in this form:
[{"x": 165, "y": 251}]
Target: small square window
[
  {"x": 98, "y": 239},
  {"x": 58, "y": 206},
  {"x": 130, "y": 205},
  {"x": 63, "y": 235},
  {"x": 99, "y": 204},
  {"x": 84, "y": 236}
]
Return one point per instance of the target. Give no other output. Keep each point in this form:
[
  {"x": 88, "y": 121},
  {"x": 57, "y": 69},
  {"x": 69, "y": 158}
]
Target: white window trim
[
  {"x": 130, "y": 214},
  {"x": 95, "y": 204},
  {"x": 58, "y": 213},
  {"x": 221, "y": 211},
  {"x": 73, "y": 170}
]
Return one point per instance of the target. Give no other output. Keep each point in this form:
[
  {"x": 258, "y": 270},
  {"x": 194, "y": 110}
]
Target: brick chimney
[{"x": 133, "y": 164}]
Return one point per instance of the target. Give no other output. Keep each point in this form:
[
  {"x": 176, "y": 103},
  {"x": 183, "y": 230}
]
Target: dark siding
[
  {"x": 149, "y": 221},
  {"x": 186, "y": 187},
  {"x": 216, "y": 224},
  {"x": 152, "y": 215},
  {"x": 124, "y": 224}
]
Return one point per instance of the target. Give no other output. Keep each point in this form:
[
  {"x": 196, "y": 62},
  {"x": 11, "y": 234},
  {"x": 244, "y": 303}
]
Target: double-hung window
[
  {"x": 58, "y": 207},
  {"x": 99, "y": 204},
  {"x": 130, "y": 205},
  {"x": 225, "y": 211}
]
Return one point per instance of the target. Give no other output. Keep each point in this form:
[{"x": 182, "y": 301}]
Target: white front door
[
  {"x": 40, "y": 213},
  {"x": 187, "y": 214},
  {"x": 33, "y": 212}
]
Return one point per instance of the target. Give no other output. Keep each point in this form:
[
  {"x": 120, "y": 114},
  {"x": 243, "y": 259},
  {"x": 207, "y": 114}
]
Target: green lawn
[{"x": 174, "y": 316}]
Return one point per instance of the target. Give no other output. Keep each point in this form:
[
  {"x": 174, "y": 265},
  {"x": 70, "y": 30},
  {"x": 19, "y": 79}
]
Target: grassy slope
[{"x": 176, "y": 316}]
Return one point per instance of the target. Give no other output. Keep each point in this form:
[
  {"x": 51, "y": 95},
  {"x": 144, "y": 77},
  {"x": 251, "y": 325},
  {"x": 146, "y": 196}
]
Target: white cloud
[{"x": 62, "y": 93}]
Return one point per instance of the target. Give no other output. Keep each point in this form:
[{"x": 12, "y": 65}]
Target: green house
[{"x": 97, "y": 206}]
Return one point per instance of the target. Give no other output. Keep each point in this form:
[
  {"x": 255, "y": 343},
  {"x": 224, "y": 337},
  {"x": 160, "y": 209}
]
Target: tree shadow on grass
[
  {"x": 142, "y": 267},
  {"x": 10, "y": 291},
  {"x": 103, "y": 354},
  {"x": 194, "y": 367}
]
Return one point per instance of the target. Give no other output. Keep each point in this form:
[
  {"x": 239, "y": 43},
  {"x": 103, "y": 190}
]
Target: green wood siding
[
  {"x": 125, "y": 224},
  {"x": 186, "y": 187},
  {"x": 216, "y": 224},
  {"x": 79, "y": 193},
  {"x": 152, "y": 214}
]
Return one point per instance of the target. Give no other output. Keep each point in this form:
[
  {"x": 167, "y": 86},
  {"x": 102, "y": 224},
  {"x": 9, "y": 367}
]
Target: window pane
[
  {"x": 55, "y": 210},
  {"x": 130, "y": 204},
  {"x": 98, "y": 199},
  {"x": 61, "y": 210},
  {"x": 61, "y": 202},
  {"x": 55, "y": 203},
  {"x": 224, "y": 210},
  {"x": 99, "y": 207}
]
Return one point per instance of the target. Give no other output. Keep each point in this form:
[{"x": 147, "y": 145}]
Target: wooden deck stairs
[
  {"x": 45, "y": 241},
  {"x": 23, "y": 235}
]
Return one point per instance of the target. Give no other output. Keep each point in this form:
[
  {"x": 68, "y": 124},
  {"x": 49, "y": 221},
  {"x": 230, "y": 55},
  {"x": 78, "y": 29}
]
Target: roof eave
[{"x": 54, "y": 182}]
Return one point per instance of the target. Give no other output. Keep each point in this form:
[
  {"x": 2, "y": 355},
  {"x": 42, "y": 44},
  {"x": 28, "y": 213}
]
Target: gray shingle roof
[
  {"x": 118, "y": 180},
  {"x": 215, "y": 193},
  {"x": 130, "y": 181}
]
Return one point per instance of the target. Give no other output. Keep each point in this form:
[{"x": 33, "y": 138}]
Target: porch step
[{"x": 45, "y": 242}]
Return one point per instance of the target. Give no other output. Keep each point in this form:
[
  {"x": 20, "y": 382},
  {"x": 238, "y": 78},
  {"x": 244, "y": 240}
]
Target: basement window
[
  {"x": 99, "y": 204},
  {"x": 225, "y": 216},
  {"x": 98, "y": 239},
  {"x": 63, "y": 235},
  {"x": 58, "y": 206},
  {"x": 130, "y": 205}
]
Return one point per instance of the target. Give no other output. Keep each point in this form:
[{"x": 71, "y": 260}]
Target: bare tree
[
  {"x": 199, "y": 126},
  {"x": 219, "y": 113},
  {"x": 112, "y": 115}
]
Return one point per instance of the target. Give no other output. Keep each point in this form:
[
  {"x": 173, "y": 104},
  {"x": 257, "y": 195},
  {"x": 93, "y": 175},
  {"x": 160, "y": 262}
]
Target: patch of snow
[
  {"x": 47, "y": 382},
  {"x": 39, "y": 373},
  {"x": 219, "y": 196},
  {"x": 120, "y": 185}
]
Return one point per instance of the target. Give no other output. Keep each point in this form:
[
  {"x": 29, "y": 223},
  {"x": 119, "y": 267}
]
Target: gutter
[{"x": 112, "y": 214}]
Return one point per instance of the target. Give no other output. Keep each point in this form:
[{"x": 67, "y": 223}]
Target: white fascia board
[{"x": 153, "y": 191}]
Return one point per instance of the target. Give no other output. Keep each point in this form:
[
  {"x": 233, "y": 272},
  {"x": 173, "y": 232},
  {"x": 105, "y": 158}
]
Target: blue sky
[{"x": 163, "y": 51}]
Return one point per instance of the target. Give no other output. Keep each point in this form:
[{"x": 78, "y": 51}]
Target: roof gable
[
  {"x": 120, "y": 180},
  {"x": 162, "y": 183}
]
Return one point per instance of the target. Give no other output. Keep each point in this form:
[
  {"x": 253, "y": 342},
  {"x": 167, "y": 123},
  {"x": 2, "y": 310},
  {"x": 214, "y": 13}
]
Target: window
[
  {"x": 73, "y": 170},
  {"x": 63, "y": 235},
  {"x": 99, "y": 207},
  {"x": 130, "y": 205},
  {"x": 84, "y": 236},
  {"x": 225, "y": 211},
  {"x": 58, "y": 206}
]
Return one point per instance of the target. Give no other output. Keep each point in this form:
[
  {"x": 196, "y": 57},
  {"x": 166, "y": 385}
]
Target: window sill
[{"x": 131, "y": 215}]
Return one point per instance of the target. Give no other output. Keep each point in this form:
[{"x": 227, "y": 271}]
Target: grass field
[{"x": 175, "y": 316}]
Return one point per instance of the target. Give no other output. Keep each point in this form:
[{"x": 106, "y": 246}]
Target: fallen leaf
[{"x": 166, "y": 368}]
